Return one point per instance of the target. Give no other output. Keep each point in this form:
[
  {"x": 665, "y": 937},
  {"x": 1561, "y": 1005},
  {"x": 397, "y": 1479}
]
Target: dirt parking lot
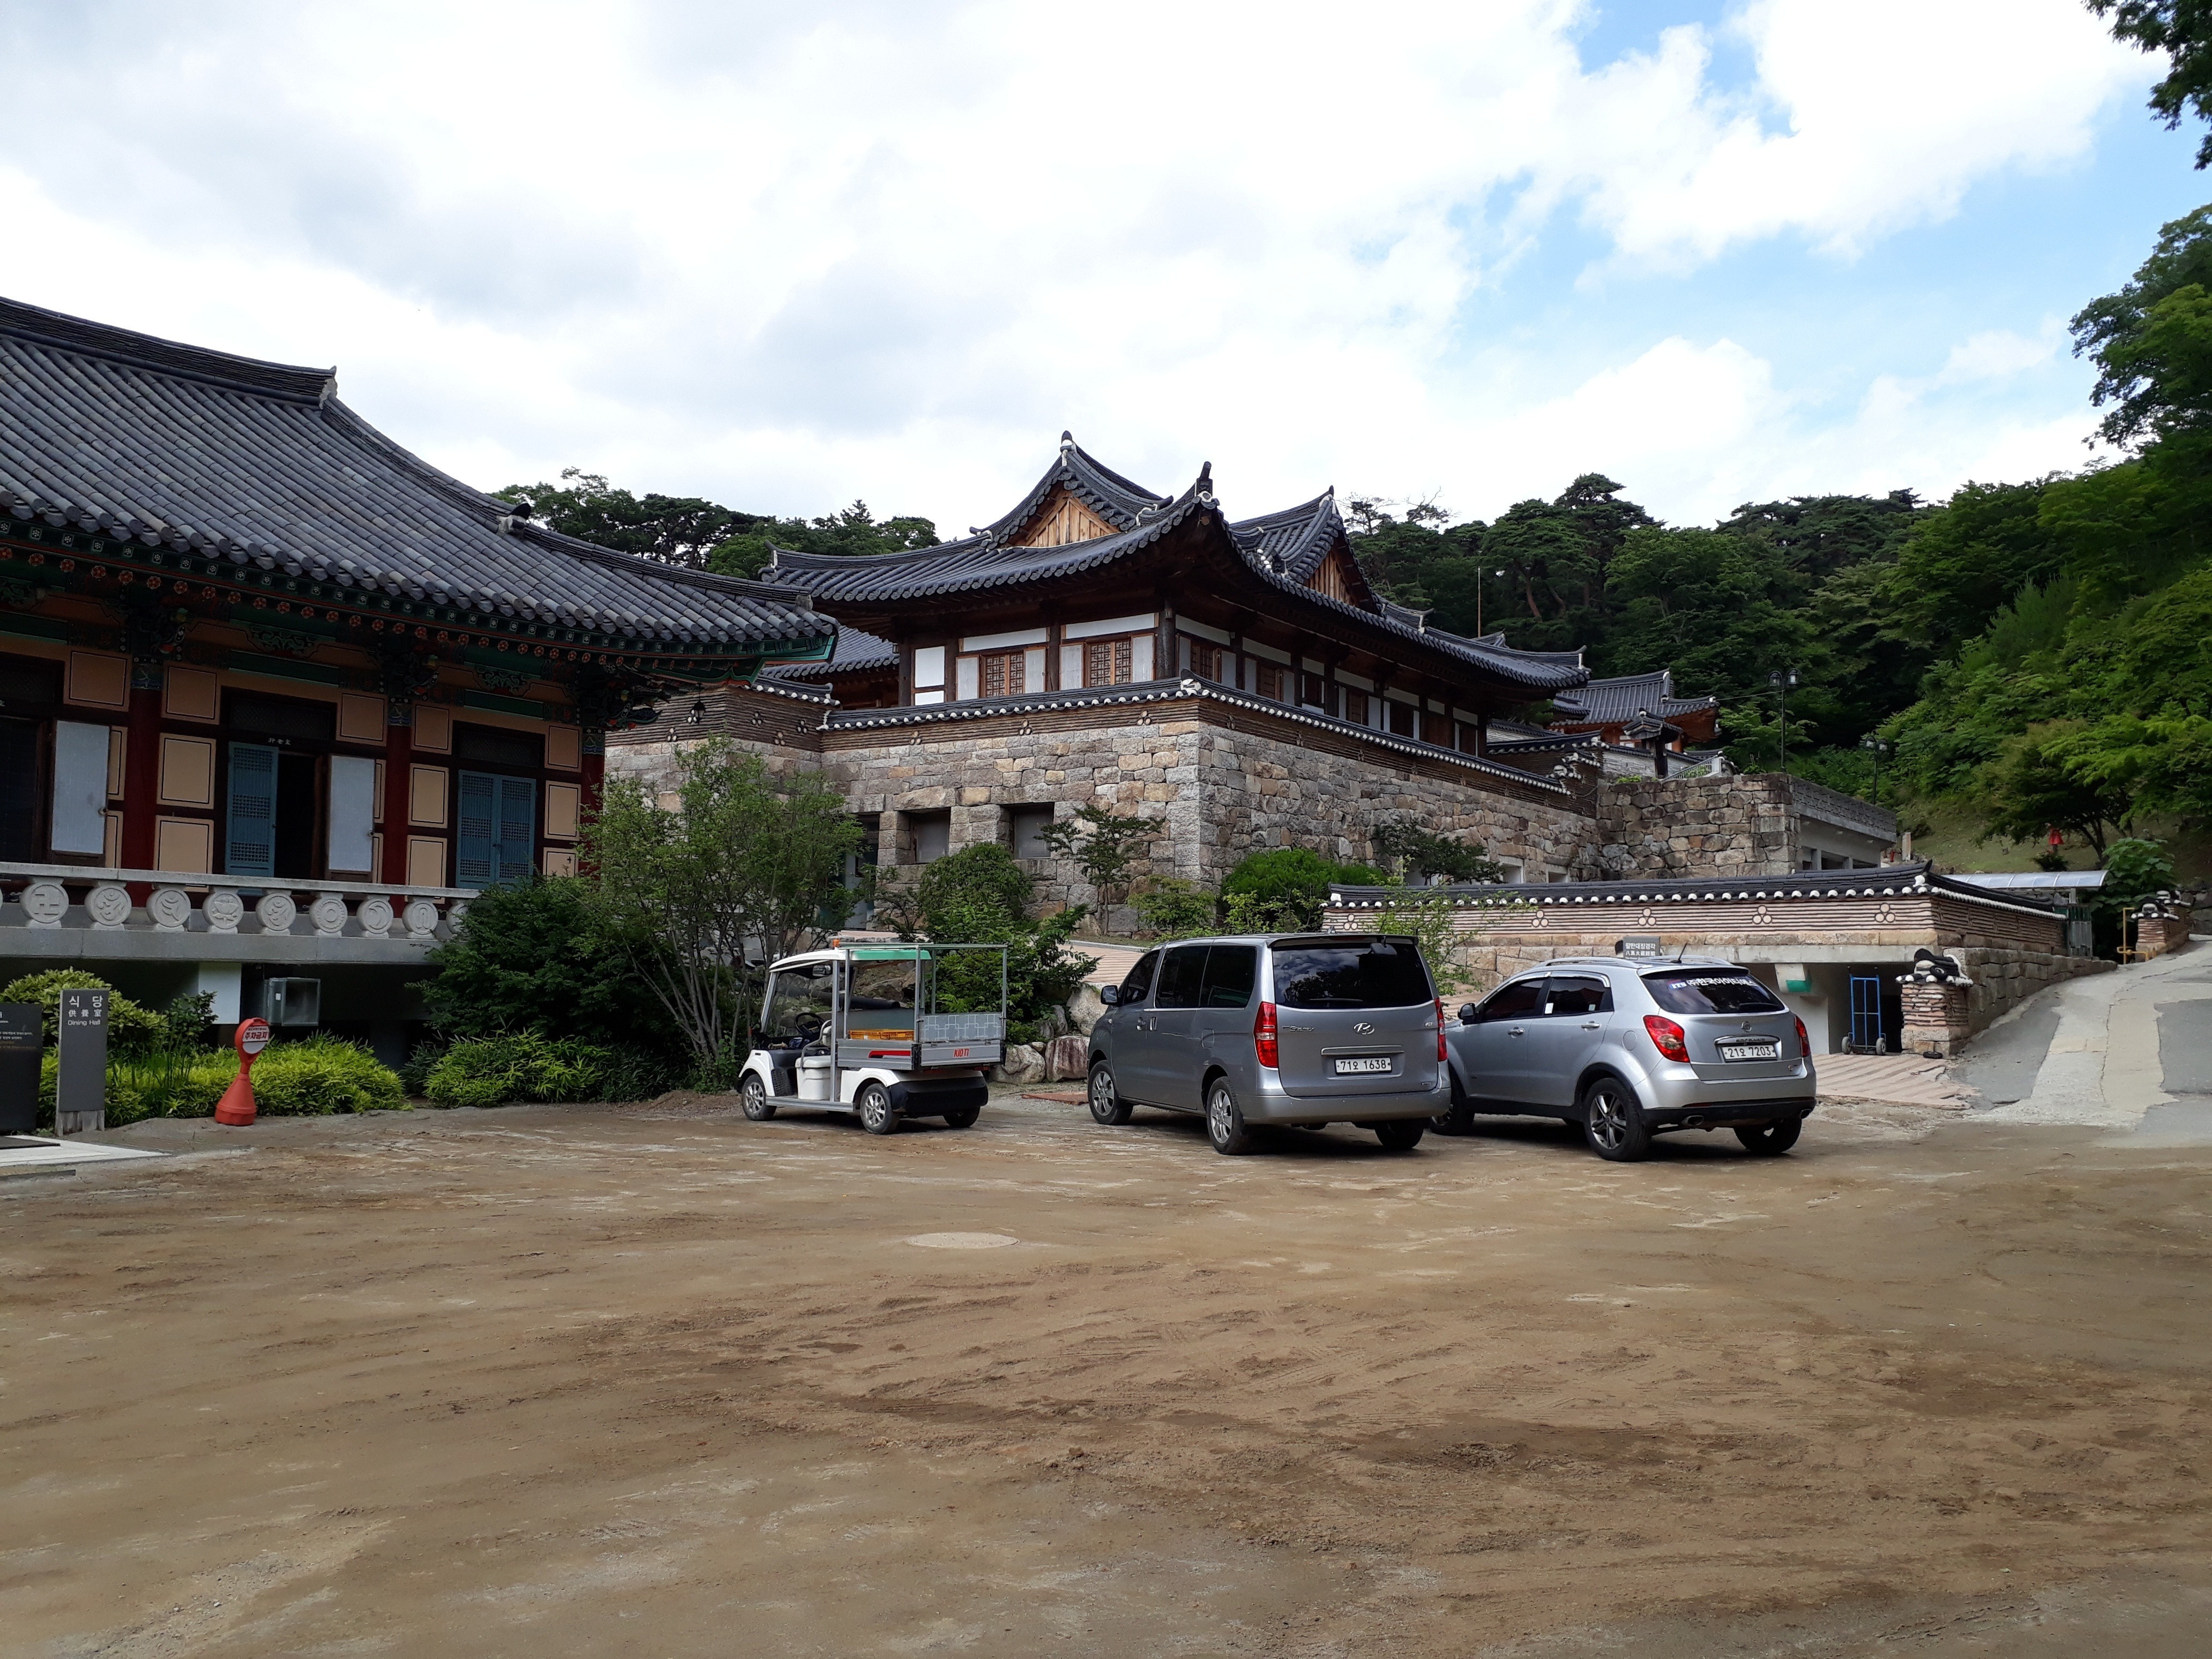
[{"x": 658, "y": 1381}]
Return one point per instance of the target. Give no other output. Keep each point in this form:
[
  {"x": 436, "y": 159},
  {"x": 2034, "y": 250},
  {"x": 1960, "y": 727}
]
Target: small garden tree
[
  {"x": 1416, "y": 854},
  {"x": 703, "y": 896},
  {"x": 979, "y": 896},
  {"x": 1103, "y": 845},
  {"x": 539, "y": 956}
]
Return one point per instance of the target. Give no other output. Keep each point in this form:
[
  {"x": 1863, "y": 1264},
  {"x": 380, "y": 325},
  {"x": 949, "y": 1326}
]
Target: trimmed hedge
[
  {"x": 525, "y": 1068},
  {"x": 324, "y": 1074}
]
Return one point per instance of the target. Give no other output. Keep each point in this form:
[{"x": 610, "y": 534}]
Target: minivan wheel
[
  {"x": 1400, "y": 1134},
  {"x": 1613, "y": 1119},
  {"x": 1225, "y": 1123},
  {"x": 1770, "y": 1139},
  {"x": 752, "y": 1096},
  {"x": 878, "y": 1116},
  {"x": 1106, "y": 1105}
]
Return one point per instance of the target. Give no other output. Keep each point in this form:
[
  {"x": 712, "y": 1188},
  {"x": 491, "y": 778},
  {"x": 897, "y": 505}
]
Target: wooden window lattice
[
  {"x": 1106, "y": 662},
  {"x": 1004, "y": 673}
]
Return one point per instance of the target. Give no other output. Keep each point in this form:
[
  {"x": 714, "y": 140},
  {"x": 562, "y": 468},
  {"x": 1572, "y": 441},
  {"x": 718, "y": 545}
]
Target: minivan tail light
[
  {"x": 1667, "y": 1037},
  {"x": 1443, "y": 1054},
  {"x": 1804, "y": 1043},
  {"x": 1263, "y": 1036}
]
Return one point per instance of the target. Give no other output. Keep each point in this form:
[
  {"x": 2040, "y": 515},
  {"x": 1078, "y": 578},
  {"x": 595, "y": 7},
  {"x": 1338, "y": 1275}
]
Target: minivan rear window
[
  {"x": 1708, "y": 990},
  {"x": 1372, "y": 973}
]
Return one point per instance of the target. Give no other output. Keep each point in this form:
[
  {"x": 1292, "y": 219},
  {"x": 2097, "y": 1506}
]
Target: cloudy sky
[{"x": 784, "y": 255}]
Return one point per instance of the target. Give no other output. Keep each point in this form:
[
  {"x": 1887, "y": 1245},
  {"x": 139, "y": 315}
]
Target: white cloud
[{"x": 780, "y": 254}]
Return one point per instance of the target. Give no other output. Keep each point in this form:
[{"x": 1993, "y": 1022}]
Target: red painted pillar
[
  {"x": 142, "y": 768},
  {"x": 398, "y": 786},
  {"x": 595, "y": 768}
]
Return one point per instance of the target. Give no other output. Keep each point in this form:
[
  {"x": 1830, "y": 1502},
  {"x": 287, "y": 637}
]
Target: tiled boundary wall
[{"x": 2007, "y": 952}]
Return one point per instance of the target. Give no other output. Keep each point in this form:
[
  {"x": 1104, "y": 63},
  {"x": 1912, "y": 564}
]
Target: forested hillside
[{"x": 2038, "y": 654}]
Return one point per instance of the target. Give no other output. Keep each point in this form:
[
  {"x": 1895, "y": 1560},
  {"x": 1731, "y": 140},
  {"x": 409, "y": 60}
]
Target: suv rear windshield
[
  {"x": 1372, "y": 973},
  {"x": 1711, "y": 991}
]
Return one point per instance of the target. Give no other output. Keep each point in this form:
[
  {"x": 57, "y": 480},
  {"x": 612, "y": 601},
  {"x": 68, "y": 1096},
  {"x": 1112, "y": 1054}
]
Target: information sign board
[
  {"x": 80, "y": 1084},
  {"x": 22, "y": 1046}
]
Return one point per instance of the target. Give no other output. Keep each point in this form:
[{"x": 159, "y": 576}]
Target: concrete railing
[{"x": 52, "y": 897}]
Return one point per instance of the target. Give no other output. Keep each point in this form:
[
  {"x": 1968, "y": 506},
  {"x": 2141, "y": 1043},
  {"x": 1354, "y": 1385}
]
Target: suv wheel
[
  {"x": 1400, "y": 1134},
  {"x": 752, "y": 1096},
  {"x": 1613, "y": 1119},
  {"x": 878, "y": 1116},
  {"x": 1770, "y": 1139},
  {"x": 1224, "y": 1122},
  {"x": 1106, "y": 1105},
  {"x": 1459, "y": 1119}
]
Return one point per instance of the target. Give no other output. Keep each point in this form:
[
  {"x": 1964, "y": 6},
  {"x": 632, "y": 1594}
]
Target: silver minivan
[
  {"x": 1309, "y": 1029},
  {"x": 1632, "y": 1047}
]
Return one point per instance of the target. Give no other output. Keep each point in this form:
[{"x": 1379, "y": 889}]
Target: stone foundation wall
[
  {"x": 1937, "y": 1023},
  {"x": 1741, "y": 824},
  {"x": 1218, "y": 789}
]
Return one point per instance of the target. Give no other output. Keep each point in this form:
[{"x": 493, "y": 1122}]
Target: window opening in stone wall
[
  {"x": 1025, "y": 828},
  {"x": 932, "y": 834},
  {"x": 1003, "y": 673},
  {"x": 1106, "y": 662}
]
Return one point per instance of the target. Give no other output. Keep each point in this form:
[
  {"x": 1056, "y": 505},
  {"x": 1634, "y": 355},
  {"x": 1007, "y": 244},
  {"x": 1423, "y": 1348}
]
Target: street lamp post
[
  {"x": 1782, "y": 679},
  {"x": 1877, "y": 747},
  {"x": 1481, "y": 585}
]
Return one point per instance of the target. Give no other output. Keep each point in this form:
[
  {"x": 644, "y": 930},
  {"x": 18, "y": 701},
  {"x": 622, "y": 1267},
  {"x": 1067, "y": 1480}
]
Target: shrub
[
  {"x": 1175, "y": 908},
  {"x": 978, "y": 895},
  {"x": 539, "y": 956},
  {"x": 2133, "y": 870},
  {"x": 130, "y": 1029},
  {"x": 1284, "y": 888},
  {"x": 521, "y": 1066},
  {"x": 323, "y": 1074}
]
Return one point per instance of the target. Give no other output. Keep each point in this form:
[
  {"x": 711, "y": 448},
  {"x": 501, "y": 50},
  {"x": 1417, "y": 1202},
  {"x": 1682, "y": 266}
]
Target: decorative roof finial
[
  {"x": 1067, "y": 441},
  {"x": 1204, "y": 488}
]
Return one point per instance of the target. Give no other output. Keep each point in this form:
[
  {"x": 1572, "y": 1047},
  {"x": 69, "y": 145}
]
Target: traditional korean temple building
[
  {"x": 1236, "y": 679},
  {"x": 275, "y": 694}
]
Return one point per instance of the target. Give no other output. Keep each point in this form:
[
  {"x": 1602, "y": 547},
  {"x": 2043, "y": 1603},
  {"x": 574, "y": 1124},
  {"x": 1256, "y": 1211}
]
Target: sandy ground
[{"x": 658, "y": 1381}]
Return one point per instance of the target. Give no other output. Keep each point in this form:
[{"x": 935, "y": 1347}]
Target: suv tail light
[
  {"x": 1667, "y": 1037},
  {"x": 1443, "y": 1055},
  {"x": 1263, "y": 1036},
  {"x": 1804, "y": 1043}
]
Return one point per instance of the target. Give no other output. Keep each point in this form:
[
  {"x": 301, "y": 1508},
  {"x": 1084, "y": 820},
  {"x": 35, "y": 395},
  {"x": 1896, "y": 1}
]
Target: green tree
[
  {"x": 703, "y": 896},
  {"x": 2031, "y": 790},
  {"x": 2148, "y": 339},
  {"x": 1414, "y": 854},
  {"x": 852, "y": 530},
  {"x": 1103, "y": 845},
  {"x": 677, "y": 530},
  {"x": 537, "y": 955},
  {"x": 980, "y": 895},
  {"x": 1284, "y": 888},
  {"x": 2182, "y": 29}
]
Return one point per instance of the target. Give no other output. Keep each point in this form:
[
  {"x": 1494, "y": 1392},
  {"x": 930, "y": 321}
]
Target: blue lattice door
[
  {"x": 250, "y": 833},
  {"x": 1868, "y": 1036},
  {"x": 497, "y": 821}
]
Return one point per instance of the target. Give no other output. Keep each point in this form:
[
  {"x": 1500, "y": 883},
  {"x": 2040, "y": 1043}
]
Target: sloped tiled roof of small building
[
  {"x": 1120, "y": 501},
  {"x": 1616, "y": 701},
  {"x": 142, "y": 438}
]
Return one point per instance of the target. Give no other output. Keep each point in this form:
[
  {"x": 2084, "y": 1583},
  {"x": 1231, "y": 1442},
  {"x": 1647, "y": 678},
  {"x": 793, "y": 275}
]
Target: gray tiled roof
[
  {"x": 1890, "y": 881},
  {"x": 1114, "y": 498},
  {"x": 1616, "y": 701},
  {"x": 855, "y": 650},
  {"x": 1282, "y": 548},
  {"x": 136, "y": 437}
]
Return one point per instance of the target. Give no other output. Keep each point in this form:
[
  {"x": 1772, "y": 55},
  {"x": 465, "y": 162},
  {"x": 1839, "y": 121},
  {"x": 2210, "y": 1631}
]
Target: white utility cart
[{"x": 855, "y": 1028}]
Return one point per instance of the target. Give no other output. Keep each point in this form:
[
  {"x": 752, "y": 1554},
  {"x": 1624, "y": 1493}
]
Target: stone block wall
[
  {"x": 1744, "y": 823},
  {"x": 1936, "y": 1020}
]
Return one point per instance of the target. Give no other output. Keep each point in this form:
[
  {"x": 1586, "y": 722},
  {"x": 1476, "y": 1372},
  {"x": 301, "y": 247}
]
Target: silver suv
[
  {"x": 1299, "y": 1028},
  {"x": 1629, "y": 1048}
]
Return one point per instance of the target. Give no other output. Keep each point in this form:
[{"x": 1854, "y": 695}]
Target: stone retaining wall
[{"x": 1741, "y": 824}]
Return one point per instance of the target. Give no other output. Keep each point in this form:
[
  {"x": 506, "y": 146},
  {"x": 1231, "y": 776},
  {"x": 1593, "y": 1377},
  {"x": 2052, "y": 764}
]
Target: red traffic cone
[{"x": 236, "y": 1108}]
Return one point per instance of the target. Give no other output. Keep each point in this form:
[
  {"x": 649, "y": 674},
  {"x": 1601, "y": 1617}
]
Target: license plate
[
  {"x": 1379, "y": 1063},
  {"x": 1751, "y": 1051}
]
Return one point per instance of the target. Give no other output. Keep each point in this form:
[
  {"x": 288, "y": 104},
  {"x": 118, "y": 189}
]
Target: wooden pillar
[
  {"x": 398, "y": 782},
  {"x": 1165, "y": 664},
  {"x": 1054, "y": 639},
  {"x": 141, "y": 770}
]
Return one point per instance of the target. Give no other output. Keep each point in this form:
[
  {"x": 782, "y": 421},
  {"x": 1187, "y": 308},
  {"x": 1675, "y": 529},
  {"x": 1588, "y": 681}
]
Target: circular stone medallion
[
  {"x": 276, "y": 911},
  {"x": 171, "y": 909},
  {"x": 108, "y": 905}
]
